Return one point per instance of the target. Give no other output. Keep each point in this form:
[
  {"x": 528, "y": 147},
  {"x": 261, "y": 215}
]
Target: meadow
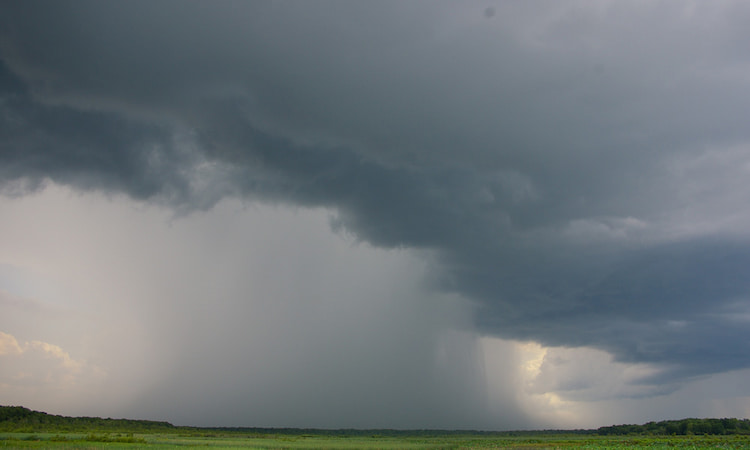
[
  {"x": 252, "y": 440},
  {"x": 23, "y": 428}
]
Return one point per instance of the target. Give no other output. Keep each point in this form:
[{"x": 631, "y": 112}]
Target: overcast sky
[{"x": 436, "y": 214}]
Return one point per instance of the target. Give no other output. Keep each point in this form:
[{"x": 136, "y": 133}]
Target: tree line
[
  {"x": 681, "y": 427},
  {"x": 21, "y": 419}
]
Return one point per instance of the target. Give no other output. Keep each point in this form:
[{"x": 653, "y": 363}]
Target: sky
[{"x": 465, "y": 215}]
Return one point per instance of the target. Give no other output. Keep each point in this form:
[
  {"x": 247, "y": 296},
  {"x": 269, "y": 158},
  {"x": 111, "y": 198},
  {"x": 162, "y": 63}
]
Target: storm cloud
[{"x": 575, "y": 171}]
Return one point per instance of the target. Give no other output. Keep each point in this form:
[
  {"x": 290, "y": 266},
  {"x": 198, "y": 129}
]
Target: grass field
[
  {"x": 239, "y": 440},
  {"x": 21, "y": 427}
]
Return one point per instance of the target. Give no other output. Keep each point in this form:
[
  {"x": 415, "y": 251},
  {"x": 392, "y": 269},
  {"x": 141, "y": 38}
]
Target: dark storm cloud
[
  {"x": 669, "y": 304},
  {"x": 87, "y": 149},
  {"x": 576, "y": 168}
]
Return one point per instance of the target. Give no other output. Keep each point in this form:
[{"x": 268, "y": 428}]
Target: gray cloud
[{"x": 576, "y": 169}]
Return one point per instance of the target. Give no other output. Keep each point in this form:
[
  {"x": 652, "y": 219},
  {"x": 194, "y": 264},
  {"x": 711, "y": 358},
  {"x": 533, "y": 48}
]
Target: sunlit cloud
[{"x": 40, "y": 373}]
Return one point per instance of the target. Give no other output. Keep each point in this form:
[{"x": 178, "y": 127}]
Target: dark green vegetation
[
  {"x": 24, "y": 420},
  {"x": 23, "y": 428},
  {"x": 682, "y": 427}
]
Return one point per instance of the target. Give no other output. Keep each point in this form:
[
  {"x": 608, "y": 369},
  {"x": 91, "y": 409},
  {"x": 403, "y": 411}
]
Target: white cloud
[
  {"x": 586, "y": 374},
  {"x": 9, "y": 345},
  {"x": 37, "y": 373},
  {"x": 585, "y": 388}
]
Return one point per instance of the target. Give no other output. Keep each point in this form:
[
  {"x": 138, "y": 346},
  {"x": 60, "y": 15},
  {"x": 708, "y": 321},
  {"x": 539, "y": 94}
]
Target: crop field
[{"x": 246, "y": 440}]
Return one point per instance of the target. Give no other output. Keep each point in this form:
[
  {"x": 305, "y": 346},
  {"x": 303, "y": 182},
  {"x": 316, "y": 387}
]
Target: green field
[
  {"x": 24, "y": 428},
  {"x": 251, "y": 440}
]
